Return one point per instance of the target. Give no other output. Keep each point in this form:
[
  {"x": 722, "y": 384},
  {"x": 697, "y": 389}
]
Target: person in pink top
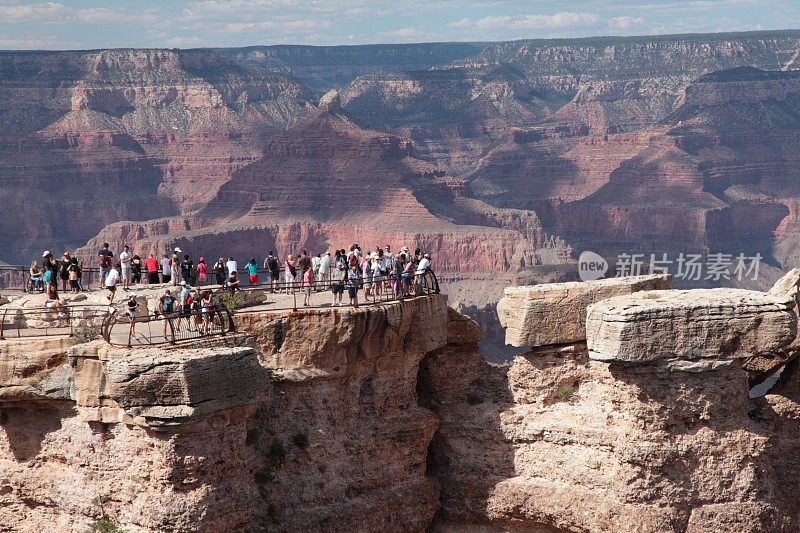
[
  {"x": 202, "y": 271},
  {"x": 288, "y": 272},
  {"x": 308, "y": 283}
]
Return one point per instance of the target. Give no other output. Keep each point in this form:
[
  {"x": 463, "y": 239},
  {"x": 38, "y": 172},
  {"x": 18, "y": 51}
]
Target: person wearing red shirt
[{"x": 151, "y": 266}]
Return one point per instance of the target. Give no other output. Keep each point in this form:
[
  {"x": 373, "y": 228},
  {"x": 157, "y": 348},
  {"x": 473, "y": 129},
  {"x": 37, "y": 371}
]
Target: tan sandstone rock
[
  {"x": 555, "y": 313},
  {"x": 689, "y": 324}
]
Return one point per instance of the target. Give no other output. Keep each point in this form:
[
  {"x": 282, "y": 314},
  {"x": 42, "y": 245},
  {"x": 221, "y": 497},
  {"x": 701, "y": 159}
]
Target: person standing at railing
[
  {"x": 397, "y": 274},
  {"x": 151, "y": 267},
  {"x": 125, "y": 261},
  {"x": 136, "y": 269},
  {"x": 337, "y": 282},
  {"x": 308, "y": 284},
  {"x": 185, "y": 299},
  {"x": 419, "y": 275},
  {"x": 219, "y": 271},
  {"x": 252, "y": 271},
  {"x": 315, "y": 265},
  {"x": 50, "y": 276},
  {"x": 202, "y": 271},
  {"x": 166, "y": 304},
  {"x": 368, "y": 268},
  {"x": 111, "y": 281},
  {"x": 106, "y": 259},
  {"x": 289, "y": 272},
  {"x": 166, "y": 272},
  {"x": 131, "y": 312},
  {"x": 303, "y": 264},
  {"x": 232, "y": 266},
  {"x": 353, "y": 281},
  {"x": 80, "y": 275},
  {"x": 63, "y": 270},
  {"x": 207, "y": 310},
  {"x": 175, "y": 266},
  {"x": 186, "y": 269},
  {"x": 73, "y": 271},
  {"x": 323, "y": 272},
  {"x": 271, "y": 263}
]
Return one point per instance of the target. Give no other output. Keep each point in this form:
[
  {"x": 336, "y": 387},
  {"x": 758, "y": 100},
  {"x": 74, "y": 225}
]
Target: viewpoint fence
[
  {"x": 74, "y": 320},
  {"x": 382, "y": 289},
  {"x": 118, "y": 329},
  {"x": 155, "y": 329}
]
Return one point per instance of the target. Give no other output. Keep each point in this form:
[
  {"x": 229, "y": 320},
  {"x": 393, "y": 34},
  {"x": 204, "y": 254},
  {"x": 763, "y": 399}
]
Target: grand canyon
[{"x": 523, "y": 400}]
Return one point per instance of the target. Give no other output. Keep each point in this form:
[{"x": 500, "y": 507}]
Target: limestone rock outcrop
[
  {"x": 559, "y": 441},
  {"x": 694, "y": 324},
  {"x": 555, "y": 313}
]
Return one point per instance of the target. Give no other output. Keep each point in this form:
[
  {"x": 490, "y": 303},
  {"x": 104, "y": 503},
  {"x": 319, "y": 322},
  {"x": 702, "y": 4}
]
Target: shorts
[
  {"x": 112, "y": 288},
  {"x": 352, "y": 292},
  {"x": 126, "y": 273},
  {"x": 274, "y": 276},
  {"x": 253, "y": 279},
  {"x": 307, "y": 291},
  {"x": 187, "y": 310},
  {"x": 337, "y": 288},
  {"x": 131, "y": 314}
]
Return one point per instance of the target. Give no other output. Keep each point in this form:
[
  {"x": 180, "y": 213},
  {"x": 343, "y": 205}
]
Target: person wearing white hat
[{"x": 175, "y": 266}]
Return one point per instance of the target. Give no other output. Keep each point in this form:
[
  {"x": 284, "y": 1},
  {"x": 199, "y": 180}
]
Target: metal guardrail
[
  {"x": 18, "y": 278},
  {"x": 155, "y": 329},
  {"x": 118, "y": 329},
  {"x": 86, "y": 320},
  {"x": 385, "y": 289}
]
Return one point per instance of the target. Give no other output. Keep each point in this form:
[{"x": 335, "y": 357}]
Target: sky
[{"x": 81, "y": 24}]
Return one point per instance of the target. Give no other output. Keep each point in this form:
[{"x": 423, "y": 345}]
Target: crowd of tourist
[{"x": 353, "y": 270}]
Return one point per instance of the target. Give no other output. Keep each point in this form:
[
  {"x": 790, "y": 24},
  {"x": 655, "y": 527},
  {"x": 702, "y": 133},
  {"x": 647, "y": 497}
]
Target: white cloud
[
  {"x": 624, "y": 23},
  {"x": 557, "y": 21},
  {"x": 102, "y": 15},
  {"x": 37, "y": 43},
  {"x": 46, "y": 11},
  {"x": 182, "y": 41},
  {"x": 403, "y": 33}
]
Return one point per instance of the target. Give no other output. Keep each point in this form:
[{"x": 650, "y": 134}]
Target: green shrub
[
  {"x": 232, "y": 300},
  {"x": 105, "y": 526},
  {"x": 564, "y": 393}
]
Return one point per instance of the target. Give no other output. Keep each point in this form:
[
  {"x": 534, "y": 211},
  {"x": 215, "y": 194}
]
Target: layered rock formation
[
  {"x": 297, "y": 422},
  {"x": 565, "y": 438}
]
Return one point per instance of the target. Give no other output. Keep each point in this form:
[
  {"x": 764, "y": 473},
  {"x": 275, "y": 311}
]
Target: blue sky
[{"x": 73, "y": 24}]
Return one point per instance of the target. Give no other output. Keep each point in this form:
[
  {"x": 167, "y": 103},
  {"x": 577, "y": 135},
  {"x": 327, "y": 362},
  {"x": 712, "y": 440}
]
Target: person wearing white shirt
[
  {"x": 388, "y": 259},
  {"x": 315, "y": 261},
  {"x": 111, "y": 283},
  {"x": 165, "y": 269},
  {"x": 324, "y": 267},
  {"x": 125, "y": 262},
  {"x": 423, "y": 265},
  {"x": 232, "y": 266}
]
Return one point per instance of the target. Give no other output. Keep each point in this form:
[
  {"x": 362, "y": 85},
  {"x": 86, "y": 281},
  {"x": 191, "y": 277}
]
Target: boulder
[
  {"x": 555, "y": 313},
  {"x": 788, "y": 285},
  {"x": 719, "y": 324}
]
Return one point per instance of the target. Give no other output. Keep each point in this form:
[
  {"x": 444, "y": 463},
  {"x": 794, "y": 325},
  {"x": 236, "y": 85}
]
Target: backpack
[
  {"x": 353, "y": 260},
  {"x": 189, "y": 300},
  {"x": 273, "y": 264}
]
